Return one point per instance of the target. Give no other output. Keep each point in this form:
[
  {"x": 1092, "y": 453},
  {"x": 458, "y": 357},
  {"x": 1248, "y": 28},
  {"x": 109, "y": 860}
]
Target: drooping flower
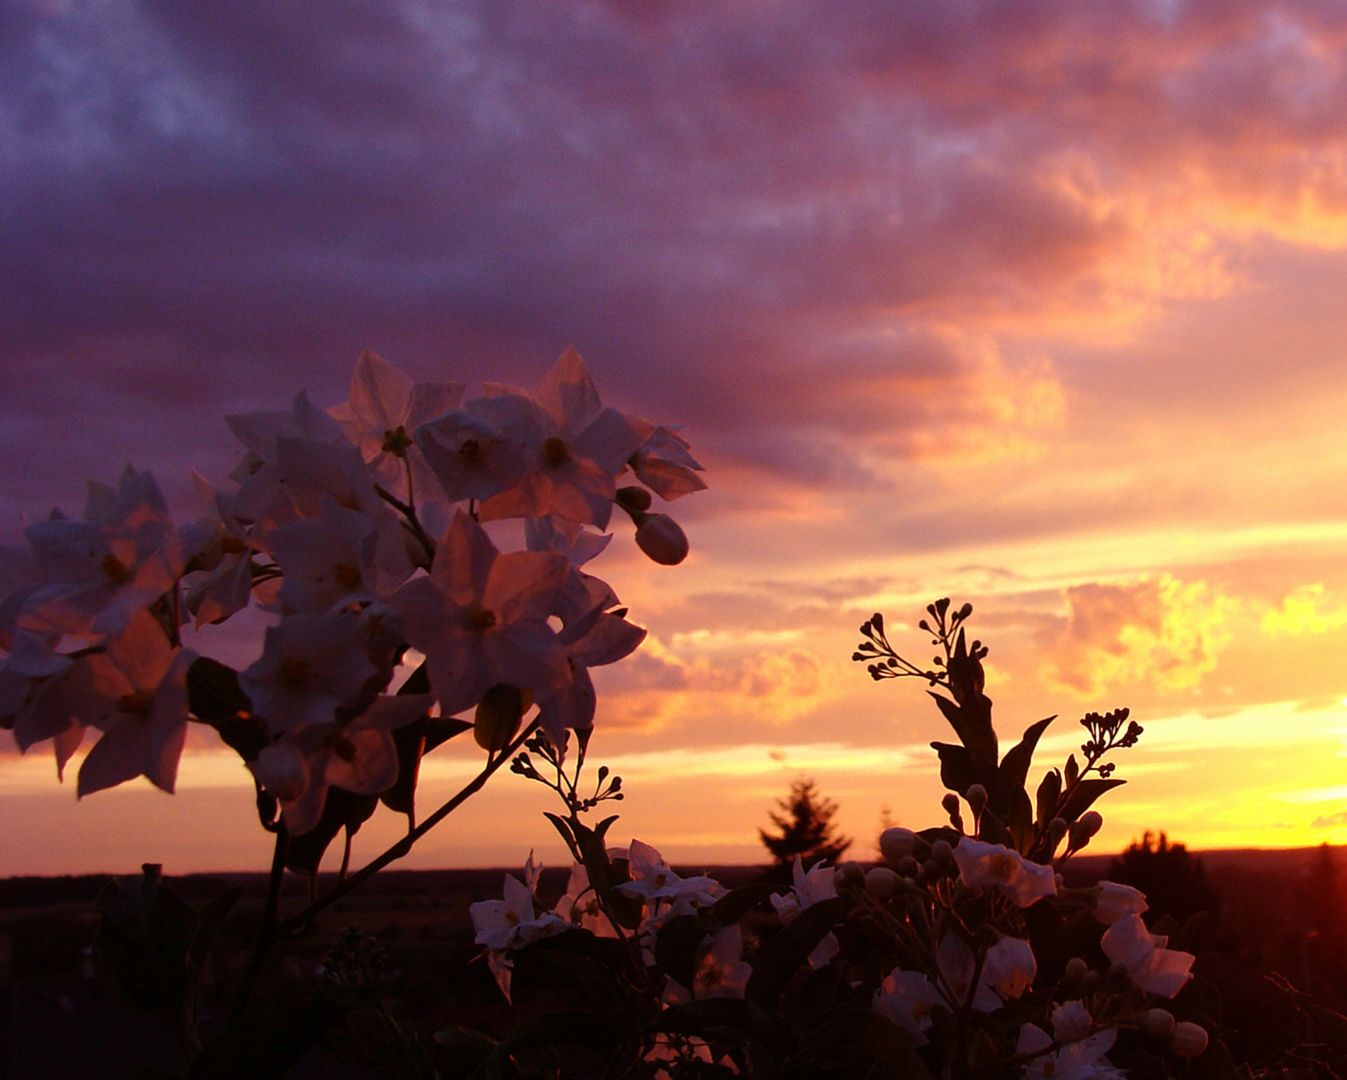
[
  {"x": 1150, "y": 965},
  {"x": 995, "y": 866},
  {"x": 359, "y": 757}
]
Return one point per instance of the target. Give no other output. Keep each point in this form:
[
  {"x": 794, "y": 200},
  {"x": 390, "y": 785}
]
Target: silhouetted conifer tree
[{"x": 806, "y": 828}]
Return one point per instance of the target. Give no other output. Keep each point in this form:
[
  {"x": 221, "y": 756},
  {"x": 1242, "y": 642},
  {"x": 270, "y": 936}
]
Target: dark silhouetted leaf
[{"x": 1083, "y": 797}]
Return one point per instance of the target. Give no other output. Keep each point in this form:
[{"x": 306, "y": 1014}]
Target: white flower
[
  {"x": 652, "y": 879},
  {"x": 995, "y": 866},
  {"x": 1083, "y": 1060},
  {"x": 907, "y": 998},
  {"x": 360, "y": 757},
  {"x": 480, "y": 617},
  {"x": 381, "y": 417},
  {"x": 135, "y": 692},
  {"x": 1112, "y": 901},
  {"x": 1150, "y": 965},
  {"x": 1009, "y": 967},
  {"x": 575, "y": 450},
  {"x": 662, "y": 463},
  {"x": 721, "y": 970},
  {"x": 809, "y": 887},
  {"x": 1071, "y": 1021},
  {"x": 337, "y": 558},
  {"x": 311, "y": 665},
  {"x": 99, "y": 572},
  {"x": 512, "y": 923}
]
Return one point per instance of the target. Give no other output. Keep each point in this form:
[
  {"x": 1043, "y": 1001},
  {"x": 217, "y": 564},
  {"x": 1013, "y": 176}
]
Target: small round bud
[
  {"x": 1092, "y": 981},
  {"x": 908, "y": 866},
  {"x": 1091, "y": 822},
  {"x": 951, "y": 803},
  {"x": 660, "y": 537},
  {"x": 977, "y": 799},
  {"x": 930, "y": 869},
  {"x": 850, "y": 875},
  {"x": 881, "y": 883},
  {"x": 1076, "y": 969},
  {"x": 941, "y": 852},
  {"x": 1056, "y": 830},
  {"x": 1118, "y": 978},
  {"x": 897, "y": 844},
  {"x": 1188, "y": 1039},
  {"x": 1157, "y": 1022}
]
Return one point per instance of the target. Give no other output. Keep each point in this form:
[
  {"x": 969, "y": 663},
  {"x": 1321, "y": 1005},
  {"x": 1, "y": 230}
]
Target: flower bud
[
  {"x": 1083, "y": 828},
  {"x": 977, "y": 799},
  {"x": 896, "y": 844},
  {"x": 634, "y": 500},
  {"x": 930, "y": 869},
  {"x": 660, "y": 537},
  {"x": 1188, "y": 1039},
  {"x": 1157, "y": 1022},
  {"x": 850, "y": 875},
  {"x": 881, "y": 883},
  {"x": 908, "y": 866},
  {"x": 1076, "y": 970},
  {"x": 941, "y": 852},
  {"x": 1118, "y": 976},
  {"x": 1056, "y": 830},
  {"x": 498, "y": 716}
]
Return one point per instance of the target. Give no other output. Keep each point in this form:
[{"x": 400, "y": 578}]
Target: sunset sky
[{"x": 1038, "y": 305}]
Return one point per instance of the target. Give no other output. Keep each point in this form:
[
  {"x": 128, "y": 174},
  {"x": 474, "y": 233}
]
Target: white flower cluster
[{"x": 364, "y": 529}]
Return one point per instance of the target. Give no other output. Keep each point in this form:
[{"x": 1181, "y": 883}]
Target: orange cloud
[{"x": 1160, "y": 630}]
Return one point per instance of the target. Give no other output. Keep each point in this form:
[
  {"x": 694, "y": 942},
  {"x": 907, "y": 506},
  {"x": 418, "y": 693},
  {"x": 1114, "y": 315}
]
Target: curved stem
[{"x": 296, "y": 922}]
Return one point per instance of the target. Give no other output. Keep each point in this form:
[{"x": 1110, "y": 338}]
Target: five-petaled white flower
[
  {"x": 1150, "y": 965},
  {"x": 995, "y": 866}
]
